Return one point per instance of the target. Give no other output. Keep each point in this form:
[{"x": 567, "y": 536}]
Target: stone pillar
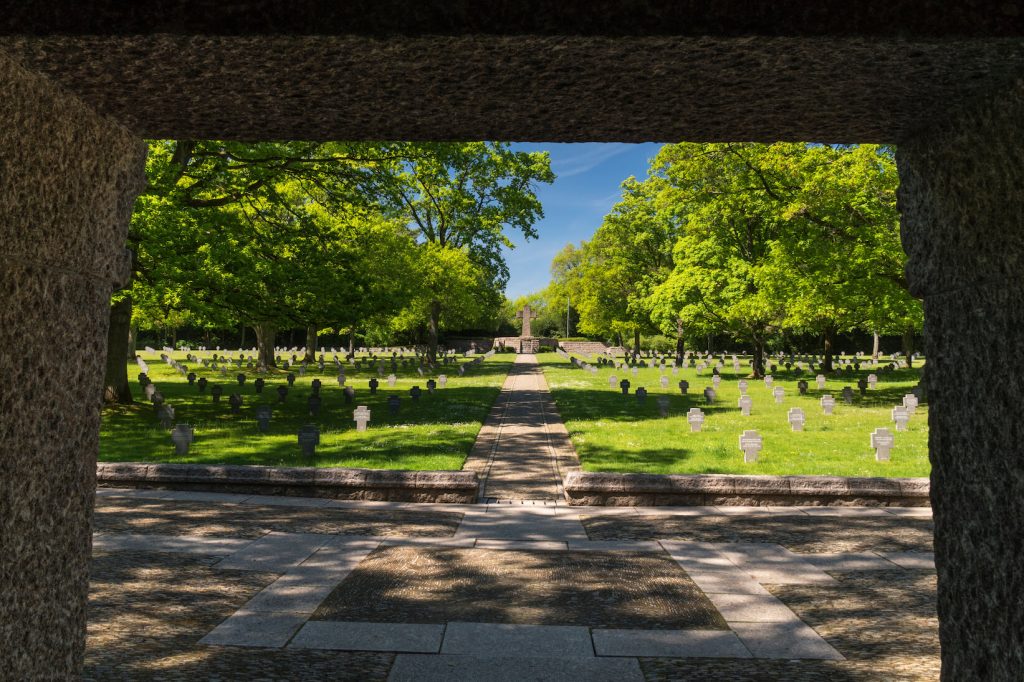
[
  {"x": 962, "y": 202},
  {"x": 68, "y": 178}
]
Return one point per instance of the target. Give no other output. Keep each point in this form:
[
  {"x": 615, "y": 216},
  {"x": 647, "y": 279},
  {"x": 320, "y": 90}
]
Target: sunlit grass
[
  {"x": 436, "y": 432},
  {"x": 613, "y": 432}
]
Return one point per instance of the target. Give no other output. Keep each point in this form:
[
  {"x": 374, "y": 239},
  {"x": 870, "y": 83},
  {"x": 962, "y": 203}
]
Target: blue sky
[{"x": 589, "y": 175}]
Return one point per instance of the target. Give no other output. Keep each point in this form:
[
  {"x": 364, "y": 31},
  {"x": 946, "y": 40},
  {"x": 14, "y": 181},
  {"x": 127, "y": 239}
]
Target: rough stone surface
[
  {"x": 348, "y": 484},
  {"x": 962, "y": 205},
  {"x": 567, "y": 84},
  {"x": 609, "y": 489},
  {"x": 69, "y": 177}
]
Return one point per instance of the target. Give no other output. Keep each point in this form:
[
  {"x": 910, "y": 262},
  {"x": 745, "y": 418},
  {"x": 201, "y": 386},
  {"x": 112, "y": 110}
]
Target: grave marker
[
  {"x": 695, "y": 417},
  {"x": 796, "y": 419},
  {"x": 282, "y": 393},
  {"x": 750, "y": 444},
  {"x": 779, "y": 393},
  {"x": 235, "y": 401},
  {"x": 309, "y": 438},
  {"x": 901, "y": 416},
  {"x": 821, "y": 381},
  {"x": 216, "y": 391},
  {"x": 745, "y": 403},
  {"x": 394, "y": 404},
  {"x": 709, "y": 395},
  {"x": 828, "y": 403},
  {"x": 802, "y": 387},
  {"x": 263, "y": 414},
  {"x": 882, "y": 441},
  {"x": 361, "y": 416},
  {"x": 684, "y": 386},
  {"x": 182, "y": 436}
]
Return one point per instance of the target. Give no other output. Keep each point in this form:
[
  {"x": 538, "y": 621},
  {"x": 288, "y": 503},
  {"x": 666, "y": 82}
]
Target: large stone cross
[{"x": 526, "y": 314}]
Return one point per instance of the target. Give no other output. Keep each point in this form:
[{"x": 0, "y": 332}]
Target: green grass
[
  {"x": 613, "y": 432},
  {"x": 436, "y": 432}
]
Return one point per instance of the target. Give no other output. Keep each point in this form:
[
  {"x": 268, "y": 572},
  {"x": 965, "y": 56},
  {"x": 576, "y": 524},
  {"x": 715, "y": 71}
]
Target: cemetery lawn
[
  {"x": 614, "y": 433},
  {"x": 435, "y": 433}
]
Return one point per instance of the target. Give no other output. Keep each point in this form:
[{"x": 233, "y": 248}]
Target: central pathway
[{"x": 523, "y": 450}]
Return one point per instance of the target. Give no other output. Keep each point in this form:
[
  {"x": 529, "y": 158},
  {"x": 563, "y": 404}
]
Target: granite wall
[
  {"x": 962, "y": 200},
  {"x": 67, "y": 181}
]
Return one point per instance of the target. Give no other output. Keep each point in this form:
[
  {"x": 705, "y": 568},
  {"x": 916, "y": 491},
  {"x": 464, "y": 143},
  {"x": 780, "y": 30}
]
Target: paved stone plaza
[{"x": 194, "y": 585}]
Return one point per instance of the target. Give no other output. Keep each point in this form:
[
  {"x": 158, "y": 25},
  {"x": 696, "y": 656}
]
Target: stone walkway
[
  {"x": 523, "y": 450},
  {"x": 190, "y": 585}
]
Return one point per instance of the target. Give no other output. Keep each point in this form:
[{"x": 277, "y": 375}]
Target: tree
[{"x": 463, "y": 197}]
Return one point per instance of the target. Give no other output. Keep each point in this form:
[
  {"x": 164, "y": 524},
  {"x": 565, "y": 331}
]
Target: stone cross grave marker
[
  {"x": 217, "y": 391},
  {"x": 149, "y": 390},
  {"x": 742, "y": 385},
  {"x": 394, "y": 404},
  {"x": 664, "y": 381},
  {"x": 391, "y": 380},
  {"x": 624, "y": 385},
  {"x": 309, "y": 438},
  {"x": 182, "y": 436},
  {"x": 361, "y": 416},
  {"x": 910, "y": 402},
  {"x": 202, "y": 384},
  {"x": 526, "y": 315},
  {"x": 828, "y": 403},
  {"x": 768, "y": 380},
  {"x": 442, "y": 380},
  {"x": 821, "y": 381},
  {"x": 796, "y": 419},
  {"x": 349, "y": 394},
  {"x": 695, "y": 417},
  {"x": 635, "y": 370},
  {"x": 663, "y": 405},
  {"x": 882, "y": 441},
  {"x": 263, "y": 414},
  {"x": 431, "y": 386},
  {"x": 750, "y": 444},
  {"x": 745, "y": 403},
  {"x": 191, "y": 378},
  {"x": 641, "y": 394},
  {"x": 415, "y": 392},
  {"x": 165, "y": 413},
  {"x": 847, "y": 394},
  {"x": 716, "y": 380},
  {"x": 613, "y": 381},
  {"x": 373, "y": 386},
  {"x": 709, "y": 395},
  {"x": 291, "y": 378},
  {"x": 872, "y": 380},
  {"x": 314, "y": 402},
  {"x": 282, "y": 393},
  {"x": 901, "y": 416},
  {"x": 235, "y": 400},
  {"x": 779, "y": 394},
  {"x": 802, "y": 387},
  {"x": 684, "y": 386},
  {"x": 315, "y": 385}
]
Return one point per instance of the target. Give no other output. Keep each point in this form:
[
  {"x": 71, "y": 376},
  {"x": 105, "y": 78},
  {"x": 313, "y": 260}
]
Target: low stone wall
[
  {"x": 583, "y": 347},
  {"x": 625, "y": 490},
  {"x": 459, "y": 487}
]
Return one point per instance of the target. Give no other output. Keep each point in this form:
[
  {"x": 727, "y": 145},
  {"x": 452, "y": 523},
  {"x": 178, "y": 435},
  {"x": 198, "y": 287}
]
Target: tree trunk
[
  {"x": 618, "y": 339},
  {"x": 757, "y": 362},
  {"x": 874, "y": 347},
  {"x": 241, "y": 340},
  {"x": 116, "y": 389},
  {"x": 311, "y": 341},
  {"x": 680, "y": 343},
  {"x": 908, "y": 345},
  {"x": 435, "y": 322},
  {"x": 133, "y": 335},
  {"x": 636, "y": 344},
  {"x": 829, "y": 338},
  {"x": 265, "y": 336},
  {"x": 351, "y": 340}
]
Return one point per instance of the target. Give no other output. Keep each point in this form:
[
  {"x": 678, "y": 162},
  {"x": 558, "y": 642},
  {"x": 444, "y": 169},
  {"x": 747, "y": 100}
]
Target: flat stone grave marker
[
  {"x": 910, "y": 402},
  {"x": 309, "y": 438},
  {"x": 684, "y": 386},
  {"x": 709, "y": 395},
  {"x": 796, "y": 419},
  {"x": 235, "y": 401},
  {"x": 624, "y": 385},
  {"x": 165, "y": 413},
  {"x": 802, "y": 387},
  {"x": 847, "y": 394},
  {"x": 391, "y": 380},
  {"x": 882, "y": 441},
  {"x": 613, "y": 381},
  {"x": 263, "y": 414},
  {"x": 216, "y": 391},
  {"x": 314, "y": 402},
  {"x": 821, "y": 381},
  {"x": 182, "y": 436},
  {"x": 415, "y": 392},
  {"x": 664, "y": 381},
  {"x": 901, "y": 417},
  {"x": 828, "y": 403},
  {"x": 779, "y": 393},
  {"x": 282, "y": 393},
  {"x": 745, "y": 403},
  {"x": 259, "y": 384},
  {"x": 291, "y": 378},
  {"x": 361, "y": 416},
  {"x": 742, "y": 385},
  {"x": 695, "y": 417},
  {"x": 872, "y": 380},
  {"x": 442, "y": 380},
  {"x": 663, "y": 405},
  {"x": 751, "y": 444},
  {"x": 394, "y": 404}
]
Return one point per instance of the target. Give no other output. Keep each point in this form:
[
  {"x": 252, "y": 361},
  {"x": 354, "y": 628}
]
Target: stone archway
[{"x": 83, "y": 86}]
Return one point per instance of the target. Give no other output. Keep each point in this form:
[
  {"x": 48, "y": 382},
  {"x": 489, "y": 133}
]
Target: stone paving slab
[
  {"x": 448, "y": 668},
  {"x": 791, "y": 639},
  {"x": 751, "y": 608},
  {"x": 275, "y": 552},
  {"x": 726, "y": 581},
  {"x": 347, "y": 636},
  {"x": 677, "y": 643},
  {"x": 256, "y": 629},
  {"x": 773, "y": 564},
  {"x": 290, "y": 596},
  {"x": 530, "y": 641},
  {"x": 845, "y": 563},
  {"x": 912, "y": 560}
]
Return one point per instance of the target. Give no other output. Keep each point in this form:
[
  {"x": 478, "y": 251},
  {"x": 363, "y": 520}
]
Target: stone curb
[
  {"x": 625, "y": 490},
  {"x": 458, "y": 487}
]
